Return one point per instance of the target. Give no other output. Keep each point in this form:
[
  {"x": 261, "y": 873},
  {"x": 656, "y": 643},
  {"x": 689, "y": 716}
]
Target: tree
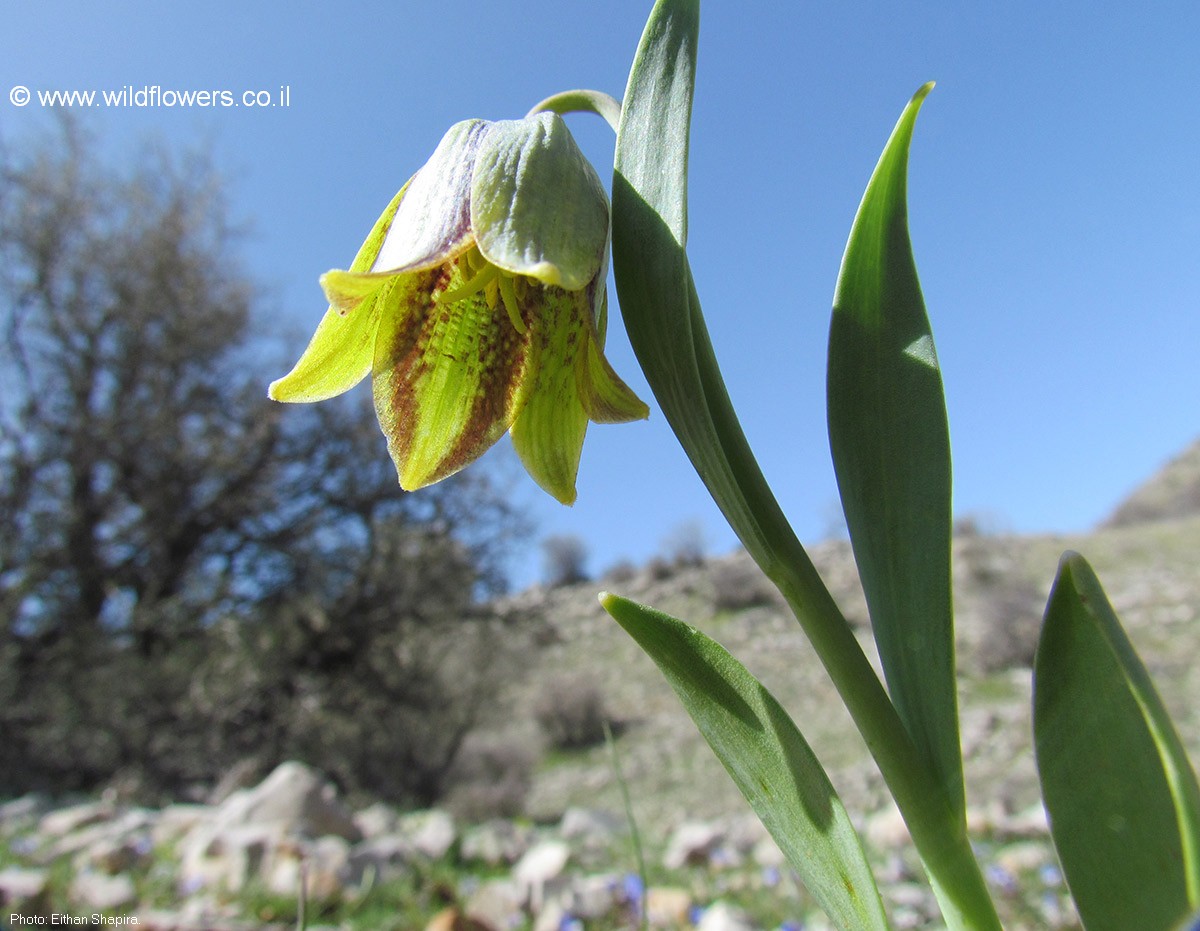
[{"x": 164, "y": 520}]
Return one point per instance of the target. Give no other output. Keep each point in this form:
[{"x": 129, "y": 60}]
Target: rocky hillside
[
  {"x": 1172, "y": 492},
  {"x": 571, "y": 835},
  {"x": 1150, "y": 572}
]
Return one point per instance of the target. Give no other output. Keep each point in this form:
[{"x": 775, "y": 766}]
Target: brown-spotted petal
[
  {"x": 570, "y": 384},
  {"x": 448, "y": 382}
]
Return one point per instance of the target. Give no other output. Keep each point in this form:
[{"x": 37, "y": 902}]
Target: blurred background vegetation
[{"x": 193, "y": 580}]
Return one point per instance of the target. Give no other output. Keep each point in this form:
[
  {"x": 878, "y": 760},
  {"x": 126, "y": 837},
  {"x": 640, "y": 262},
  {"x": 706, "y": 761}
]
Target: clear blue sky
[{"x": 1054, "y": 205}]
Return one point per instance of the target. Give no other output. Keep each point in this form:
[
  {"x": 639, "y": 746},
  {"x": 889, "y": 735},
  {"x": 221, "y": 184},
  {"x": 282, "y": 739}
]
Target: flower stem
[
  {"x": 582, "y": 101},
  {"x": 742, "y": 492}
]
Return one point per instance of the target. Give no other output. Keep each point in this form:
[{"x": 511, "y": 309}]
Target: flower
[{"x": 478, "y": 305}]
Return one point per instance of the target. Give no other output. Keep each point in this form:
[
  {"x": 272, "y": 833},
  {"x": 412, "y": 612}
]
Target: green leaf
[
  {"x": 891, "y": 452},
  {"x": 660, "y": 306},
  {"x": 767, "y": 757},
  {"x": 1122, "y": 798},
  {"x": 666, "y": 329}
]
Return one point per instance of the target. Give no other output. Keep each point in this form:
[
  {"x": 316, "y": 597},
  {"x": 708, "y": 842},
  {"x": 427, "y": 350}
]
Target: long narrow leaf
[
  {"x": 891, "y": 452},
  {"x": 767, "y": 757},
  {"x": 665, "y": 326},
  {"x": 1123, "y": 801}
]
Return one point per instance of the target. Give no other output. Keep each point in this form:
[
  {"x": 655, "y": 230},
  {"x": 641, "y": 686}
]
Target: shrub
[{"x": 571, "y": 713}]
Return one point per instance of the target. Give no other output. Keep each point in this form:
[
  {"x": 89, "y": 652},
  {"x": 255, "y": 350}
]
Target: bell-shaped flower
[{"x": 478, "y": 305}]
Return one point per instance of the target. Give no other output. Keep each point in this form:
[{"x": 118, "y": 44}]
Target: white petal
[{"x": 434, "y": 219}]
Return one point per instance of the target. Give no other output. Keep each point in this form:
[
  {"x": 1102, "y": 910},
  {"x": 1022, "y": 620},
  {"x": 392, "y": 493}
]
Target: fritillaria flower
[{"x": 478, "y": 306}]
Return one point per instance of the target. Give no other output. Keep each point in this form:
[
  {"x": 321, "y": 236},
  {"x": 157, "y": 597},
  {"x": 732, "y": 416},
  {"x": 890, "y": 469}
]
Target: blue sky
[{"x": 1054, "y": 206}]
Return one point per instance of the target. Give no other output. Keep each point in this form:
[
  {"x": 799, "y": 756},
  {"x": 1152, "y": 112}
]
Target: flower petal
[
  {"x": 447, "y": 381},
  {"x": 434, "y": 220},
  {"x": 339, "y": 354},
  {"x": 537, "y": 205},
  {"x": 548, "y": 434},
  {"x": 604, "y": 396}
]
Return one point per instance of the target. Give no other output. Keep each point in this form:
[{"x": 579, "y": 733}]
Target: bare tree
[{"x": 163, "y": 521}]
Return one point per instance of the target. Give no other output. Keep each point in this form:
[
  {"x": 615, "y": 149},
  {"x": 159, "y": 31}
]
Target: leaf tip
[{"x": 923, "y": 91}]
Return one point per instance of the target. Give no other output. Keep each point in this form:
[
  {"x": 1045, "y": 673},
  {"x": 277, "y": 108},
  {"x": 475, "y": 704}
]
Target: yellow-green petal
[
  {"x": 548, "y": 434},
  {"x": 339, "y": 354},
  {"x": 447, "y": 379},
  {"x": 537, "y": 206},
  {"x": 605, "y": 397},
  {"x": 367, "y": 252},
  {"x": 337, "y": 358}
]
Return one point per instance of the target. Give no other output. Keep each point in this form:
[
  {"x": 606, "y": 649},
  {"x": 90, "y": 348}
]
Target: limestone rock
[
  {"x": 25, "y": 891},
  {"x": 496, "y": 842},
  {"x": 323, "y": 866},
  {"x": 294, "y": 797},
  {"x": 63, "y": 821},
  {"x": 497, "y": 903},
  {"x": 668, "y": 907},
  {"x": 376, "y": 820},
  {"x": 589, "y": 826},
  {"x": 692, "y": 844},
  {"x": 886, "y": 830},
  {"x": 431, "y": 833},
  {"x": 593, "y": 897},
  {"x": 23, "y": 813},
  {"x": 96, "y": 890},
  {"x": 541, "y": 864},
  {"x": 721, "y": 916}
]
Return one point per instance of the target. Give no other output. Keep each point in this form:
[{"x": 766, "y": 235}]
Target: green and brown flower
[{"x": 478, "y": 305}]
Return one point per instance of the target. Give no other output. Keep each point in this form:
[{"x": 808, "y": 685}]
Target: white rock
[
  {"x": 1030, "y": 823},
  {"x": 65, "y": 820},
  {"x": 691, "y": 844},
  {"x": 22, "y": 813},
  {"x": 323, "y": 865},
  {"x": 551, "y": 918},
  {"x": 376, "y": 820},
  {"x": 388, "y": 857},
  {"x": 114, "y": 856},
  {"x": 495, "y": 842},
  {"x": 721, "y": 916},
  {"x": 175, "y": 821},
  {"x": 95, "y": 890},
  {"x": 432, "y": 833},
  {"x": 593, "y": 897},
  {"x": 225, "y": 859},
  {"x": 497, "y": 903},
  {"x": 886, "y": 830},
  {"x": 541, "y": 864},
  {"x": 1024, "y": 857},
  {"x": 131, "y": 828},
  {"x": 766, "y": 853},
  {"x": 589, "y": 825},
  {"x": 668, "y": 907},
  {"x": 296, "y": 798},
  {"x": 24, "y": 890}
]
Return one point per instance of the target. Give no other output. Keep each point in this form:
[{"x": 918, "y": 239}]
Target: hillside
[
  {"x": 1149, "y": 571},
  {"x": 1171, "y": 493},
  {"x": 234, "y": 864}
]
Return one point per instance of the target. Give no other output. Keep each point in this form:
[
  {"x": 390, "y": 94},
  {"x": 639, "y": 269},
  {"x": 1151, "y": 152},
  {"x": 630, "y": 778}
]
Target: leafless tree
[{"x": 164, "y": 522}]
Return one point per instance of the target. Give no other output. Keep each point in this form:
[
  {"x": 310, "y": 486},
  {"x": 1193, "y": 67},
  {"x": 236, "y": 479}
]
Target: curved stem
[{"x": 582, "y": 101}]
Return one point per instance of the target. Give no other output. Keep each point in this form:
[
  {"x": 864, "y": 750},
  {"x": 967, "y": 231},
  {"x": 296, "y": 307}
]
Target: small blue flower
[{"x": 633, "y": 888}]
